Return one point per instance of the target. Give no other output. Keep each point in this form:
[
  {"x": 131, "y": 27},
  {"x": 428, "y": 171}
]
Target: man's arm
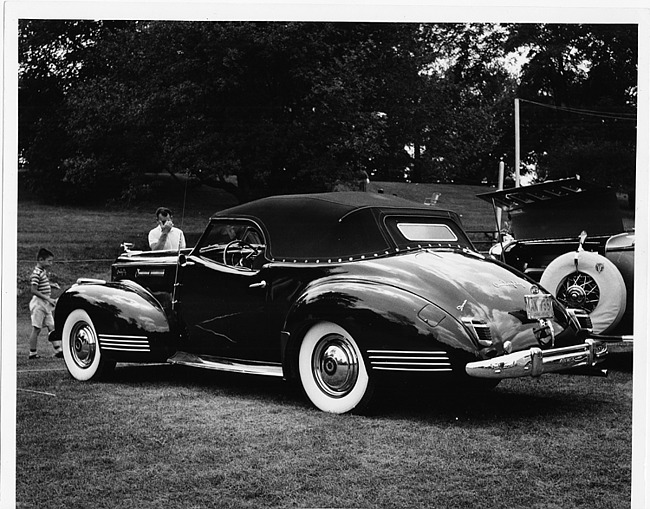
[
  {"x": 156, "y": 246},
  {"x": 160, "y": 244}
]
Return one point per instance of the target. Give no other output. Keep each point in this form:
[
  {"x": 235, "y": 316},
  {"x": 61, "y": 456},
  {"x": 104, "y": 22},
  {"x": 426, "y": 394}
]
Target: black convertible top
[{"x": 328, "y": 224}]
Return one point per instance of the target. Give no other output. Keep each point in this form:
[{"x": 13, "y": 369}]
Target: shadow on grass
[
  {"x": 548, "y": 399},
  {"x": 208, "y": 382},
  {"x": 519, "y": 403},
  {"x": 619, "y": 360}
]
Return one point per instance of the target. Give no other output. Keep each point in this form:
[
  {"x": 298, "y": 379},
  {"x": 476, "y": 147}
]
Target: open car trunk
[{"x": 559, "y": 209}]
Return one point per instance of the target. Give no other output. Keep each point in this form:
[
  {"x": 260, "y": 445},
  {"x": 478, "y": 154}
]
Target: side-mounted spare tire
[
  {"x": 81, "y": 351},
  {"x": 594, "y": 284}
]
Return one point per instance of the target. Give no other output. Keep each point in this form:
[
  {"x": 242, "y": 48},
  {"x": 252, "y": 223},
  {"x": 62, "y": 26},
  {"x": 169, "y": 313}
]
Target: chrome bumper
[{"x": 536, "y": 362}]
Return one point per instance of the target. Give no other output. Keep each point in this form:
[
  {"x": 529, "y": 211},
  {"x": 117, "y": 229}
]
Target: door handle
[{"x": 261, "y": 284}]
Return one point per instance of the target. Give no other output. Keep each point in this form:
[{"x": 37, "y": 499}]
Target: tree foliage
[
  {"x": 586, "y": 75},
  {"x": 264, "y": 108}
]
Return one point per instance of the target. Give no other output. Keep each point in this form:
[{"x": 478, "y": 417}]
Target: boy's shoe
[
  {"x": 58, "y": 354},
  {"x": 34, "y": 356}
]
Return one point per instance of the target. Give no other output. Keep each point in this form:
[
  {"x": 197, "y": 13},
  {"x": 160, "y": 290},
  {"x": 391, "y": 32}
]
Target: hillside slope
[{"x": 475, "y": 213}]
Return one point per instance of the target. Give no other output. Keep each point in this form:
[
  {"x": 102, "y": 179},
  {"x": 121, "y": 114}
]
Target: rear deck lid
[{"x": 559, "y": 209}]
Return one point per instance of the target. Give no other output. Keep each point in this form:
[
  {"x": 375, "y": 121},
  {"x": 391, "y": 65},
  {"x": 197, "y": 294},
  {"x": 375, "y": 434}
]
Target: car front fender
[{"x": 131, "y": 323}]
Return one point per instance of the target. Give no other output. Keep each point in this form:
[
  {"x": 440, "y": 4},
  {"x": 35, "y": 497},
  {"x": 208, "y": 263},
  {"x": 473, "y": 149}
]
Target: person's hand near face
[{"x": 166, "y": 225}]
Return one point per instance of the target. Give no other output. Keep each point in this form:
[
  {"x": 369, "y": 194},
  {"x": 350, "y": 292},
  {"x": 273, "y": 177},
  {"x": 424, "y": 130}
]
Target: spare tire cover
[{"x": 596, "y": 286}]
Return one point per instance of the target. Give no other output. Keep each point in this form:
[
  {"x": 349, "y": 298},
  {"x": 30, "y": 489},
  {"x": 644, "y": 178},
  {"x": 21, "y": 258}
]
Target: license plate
[{"x": 539, "y": 306}]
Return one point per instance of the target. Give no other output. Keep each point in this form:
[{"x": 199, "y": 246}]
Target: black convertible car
[{"x": 339, "y": 291}]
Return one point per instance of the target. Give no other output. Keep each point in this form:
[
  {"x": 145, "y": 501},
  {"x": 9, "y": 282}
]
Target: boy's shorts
[{"x": 41, "y": 312}]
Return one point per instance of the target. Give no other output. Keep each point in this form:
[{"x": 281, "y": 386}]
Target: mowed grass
[{"x": 166, "y": 436}]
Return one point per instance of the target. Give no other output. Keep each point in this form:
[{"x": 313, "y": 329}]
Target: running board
[{"x": 230, "y": 365}]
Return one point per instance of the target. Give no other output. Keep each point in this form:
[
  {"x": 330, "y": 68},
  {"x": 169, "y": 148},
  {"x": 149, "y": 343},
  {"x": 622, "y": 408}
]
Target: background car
[
  {"x": 339, "y": 291},
  {"x": 569, "y": 235}
]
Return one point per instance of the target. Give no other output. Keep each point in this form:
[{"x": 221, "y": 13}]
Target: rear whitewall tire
[
  {"x": 332, "y": 371},
  {"x": 81, "y": 351}
]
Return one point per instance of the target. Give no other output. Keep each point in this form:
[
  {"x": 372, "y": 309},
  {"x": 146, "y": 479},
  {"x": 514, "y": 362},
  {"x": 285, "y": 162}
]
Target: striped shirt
[{"x": 39, "y": 278}]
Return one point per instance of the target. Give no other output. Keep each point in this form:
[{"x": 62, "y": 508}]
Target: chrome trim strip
[
  {"x": 389, "y": 363},
  {"x": 430, "y": 370},
  {"x": 535, "y": 362},
  {"x": 120, "y": 336},
  {"x": 229, "y": 365},
  {"x": 399, "y": 352},
  {"x": 409, "y": 360},
  {"x": 149, "y": 272},
  {"x": 121, "y": 343},
  {"x": 119, "y": 349}
]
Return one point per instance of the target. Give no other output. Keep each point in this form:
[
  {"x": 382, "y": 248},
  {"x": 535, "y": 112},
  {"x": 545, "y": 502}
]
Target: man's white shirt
[{"x": 174, "y": 237}]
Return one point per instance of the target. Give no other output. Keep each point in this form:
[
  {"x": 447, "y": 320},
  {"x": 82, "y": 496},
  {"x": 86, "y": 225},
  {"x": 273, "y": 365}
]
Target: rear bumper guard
[{"x": 535, "y": 362}]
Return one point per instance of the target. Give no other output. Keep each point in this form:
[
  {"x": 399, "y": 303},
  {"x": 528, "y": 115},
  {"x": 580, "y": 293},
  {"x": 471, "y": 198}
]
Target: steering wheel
[{"x": 242, "y": 245}]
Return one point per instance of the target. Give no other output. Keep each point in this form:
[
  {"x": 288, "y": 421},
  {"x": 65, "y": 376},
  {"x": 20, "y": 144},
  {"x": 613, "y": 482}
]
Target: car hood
[{"x": 469, "y": 287}]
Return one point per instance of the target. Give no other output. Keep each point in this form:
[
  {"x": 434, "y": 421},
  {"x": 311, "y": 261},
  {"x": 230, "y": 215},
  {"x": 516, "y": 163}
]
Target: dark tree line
[{"x": 265, "y": 108}]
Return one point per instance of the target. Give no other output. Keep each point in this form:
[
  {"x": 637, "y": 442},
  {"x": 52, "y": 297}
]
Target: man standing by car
[{"x": 166, "y": 236}]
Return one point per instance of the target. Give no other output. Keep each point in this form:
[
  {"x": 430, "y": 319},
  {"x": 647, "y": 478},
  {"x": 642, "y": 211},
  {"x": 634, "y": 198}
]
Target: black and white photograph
[{"x": 316, "y": 255}]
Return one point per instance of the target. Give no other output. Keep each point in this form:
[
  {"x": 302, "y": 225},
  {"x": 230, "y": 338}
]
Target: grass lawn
[{"x": 167, "y": 436}]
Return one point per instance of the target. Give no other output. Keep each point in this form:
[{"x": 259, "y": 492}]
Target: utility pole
[
  {"x": 499, "y": 188},
  {"x": 517, "y": 154}
]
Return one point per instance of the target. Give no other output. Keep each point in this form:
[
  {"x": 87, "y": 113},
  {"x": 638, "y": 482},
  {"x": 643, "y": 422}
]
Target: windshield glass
[{"x": 221, "y": 234}]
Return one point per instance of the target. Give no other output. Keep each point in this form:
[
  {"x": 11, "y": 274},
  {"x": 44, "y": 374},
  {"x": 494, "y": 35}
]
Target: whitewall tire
[
  {"x": 332, "y": 371},
  {"x": 596, "y": 286},
  {"x": 81, "y": 351}
]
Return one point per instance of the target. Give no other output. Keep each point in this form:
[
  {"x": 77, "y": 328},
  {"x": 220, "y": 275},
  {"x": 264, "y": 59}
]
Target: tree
[
  {"x": 464, "y": 97},
  {"x": 50, "y": 54},
  {"x": 279, "y": 106},
  {"x": 264, "y": 108},
  {"x": 585, "y": 75}
]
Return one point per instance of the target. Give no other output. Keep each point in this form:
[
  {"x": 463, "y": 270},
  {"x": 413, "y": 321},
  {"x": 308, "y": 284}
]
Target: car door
[{"x": 222, "y": 303}]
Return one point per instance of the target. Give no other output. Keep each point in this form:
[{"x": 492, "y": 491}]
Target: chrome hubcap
[
  {"x": 335, "y": 365},
  {"x": 83, "y": 344},
  {"x": 579, "y": 290}
]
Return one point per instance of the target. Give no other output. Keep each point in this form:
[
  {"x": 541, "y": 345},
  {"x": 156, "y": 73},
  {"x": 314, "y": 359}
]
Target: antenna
[{"x": 178, "y": 254}]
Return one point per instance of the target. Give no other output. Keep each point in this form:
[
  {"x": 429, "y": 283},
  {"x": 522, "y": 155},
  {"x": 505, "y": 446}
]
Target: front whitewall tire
[{"x": 81, "y": 351}]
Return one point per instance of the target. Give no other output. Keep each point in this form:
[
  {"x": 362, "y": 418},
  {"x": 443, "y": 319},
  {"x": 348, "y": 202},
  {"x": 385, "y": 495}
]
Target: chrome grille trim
[
  {"x": 124, "y": 343},
  {"x": 409, "y": 360}
]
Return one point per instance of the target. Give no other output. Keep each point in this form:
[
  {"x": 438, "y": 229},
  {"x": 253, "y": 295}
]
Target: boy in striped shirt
[{"x": 42, "y": 303}]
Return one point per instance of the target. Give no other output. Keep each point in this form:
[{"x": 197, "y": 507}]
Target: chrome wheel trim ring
[
  {"x": 83, "y": 344},
  {"x": 335, "y": 365}
]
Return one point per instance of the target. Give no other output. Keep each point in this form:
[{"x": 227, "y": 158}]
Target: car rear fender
[
  {"x": 379, "y": 317},
  {"x": 131, "y": 323}
]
